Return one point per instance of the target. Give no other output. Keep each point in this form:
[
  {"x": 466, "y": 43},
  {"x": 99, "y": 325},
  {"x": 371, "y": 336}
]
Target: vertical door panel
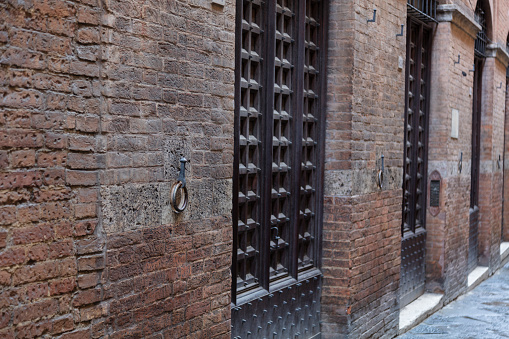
[
  {"x": 276, "y": 288},
  {"x": 415, "y": 163}
]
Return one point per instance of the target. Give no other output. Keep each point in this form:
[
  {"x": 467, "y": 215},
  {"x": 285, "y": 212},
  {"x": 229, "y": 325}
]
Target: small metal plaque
[{"x": 434, "y": 193}]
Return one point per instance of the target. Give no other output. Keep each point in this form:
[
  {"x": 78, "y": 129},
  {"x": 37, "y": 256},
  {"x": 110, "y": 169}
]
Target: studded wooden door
[
  {"x": 415, "y": 162},
  {"x": 278, "y": 180},
  {"x": 480, "y": 55},
  {"x": 473, "y": 236}
]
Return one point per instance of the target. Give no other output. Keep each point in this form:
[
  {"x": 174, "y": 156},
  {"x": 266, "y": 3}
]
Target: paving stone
[{"x": 481, "y": 313}]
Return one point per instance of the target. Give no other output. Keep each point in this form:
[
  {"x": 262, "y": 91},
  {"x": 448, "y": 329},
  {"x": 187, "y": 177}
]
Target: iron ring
[
  {"x": 380, "y": 178},
  {"x": 179, "y": 206}
]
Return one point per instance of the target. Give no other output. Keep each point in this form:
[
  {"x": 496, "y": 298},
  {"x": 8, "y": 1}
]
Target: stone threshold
[
  {"x": 478, "y": 275},
  {"x": 504, "y": 253},
  {"x": 418, "y": 310},
  {"x": 427, "y": 304}
]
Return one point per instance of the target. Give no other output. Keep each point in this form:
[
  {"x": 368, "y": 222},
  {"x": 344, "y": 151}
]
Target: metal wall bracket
[
  {"x": 460, "y": 163},
  {"x": 459, "y": 59},
  {"x": 500, "y": 86},
  {"x": 380, "y": 175},
  {"x": 473, "y": 69},
  {"x": 374, "y": 16},
  {"x": 401, "y": 34}
]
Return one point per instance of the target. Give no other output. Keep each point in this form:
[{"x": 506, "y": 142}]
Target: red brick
[
  {"x": 88, "y": 15},
  {"x": 92, "y": 312},
  {"x": 51, "y": 159},
  {"x": 20, "y": 179},
  {"x": 15, "y": 197},
  {"x": 55, "y": 210},
  {"x": 62, "y": 286},
  {"x": 85, "y": 210},
  {"x": 38, "y": 252},
  {"x": 56, "y": 140},
  {"x": 5, "y": 278},
  {"x": 61, "y": 249},
  {"x": 62, "y": 229},
  {"x": 81, "y": 178},
  {"x": 91, "y": 263},
  {"x": 54, "y": 177},
  {"x": 28, "y": 235},
  {"x": 7, "y": 215},
  {"x": 36, "y": 291},
  {"x": 51, "y": 82},
  {"x": 63, "y": 324},
  {"x": 91, "y": 244},
  {"x": 27, "y": 214},
  {"x": 67, "y": 267},
  {"x": 88, "y": 280},
  {"x": 3, "y": 239},
  {"x": 35, "y": 272},
  {"x": 85, "y": 195},
  {"x": 85, "y": 227},
  {"x": 23, "y": 158},
  {"x": 44, "y": 194},
  {"x": 23, "y": 58},
  {"x": 87, "y": 297},
  {"x": 4, "y": 160},
  {"x": 82, "y": 143},
  {"x": 12, "y": 256},
  {"x": 34, "y": 311},
  {"x": 88, "y": 35}
]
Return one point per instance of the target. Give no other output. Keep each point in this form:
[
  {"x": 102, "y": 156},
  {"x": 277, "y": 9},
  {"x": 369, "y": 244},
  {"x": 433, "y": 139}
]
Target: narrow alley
[{"x": 480, "y": 313}]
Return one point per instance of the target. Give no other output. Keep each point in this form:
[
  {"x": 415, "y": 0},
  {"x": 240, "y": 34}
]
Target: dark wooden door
[
  {"x": 278, "y": 174},
  {"x": 480, "y": 55},
  {"x": 473, "y": 237},
  {"x": 415, "y": 162}
]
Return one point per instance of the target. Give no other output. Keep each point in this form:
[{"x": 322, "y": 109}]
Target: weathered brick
[
  {"x": 85, "y": 227},
  {"x": 38, "y": 252},
  {"x": 3, "y": 239},
  {"x": 51, "y": 159},
  {"x": 23, "y": 158},
  {"x": 12, "y": 256},
  {"x": 88, "y": 35},
  {"x": 61, "y": 249},
  {"x": 62, "y": 286},
  {"x": 56, "y": 140},
  {"x": 89, "y": 245},
  {"x": 22, "y": 58},
  {"x": 34, "y": 311},
  {"x": 21, "y": 138},
  {"x": 7, "y": 215},
  {"x": 91, "y": 263},
  {"x": 88, "y": 280},
  {"x": 87, "y": 297},
  {"x": 62, "y": 324},
  {"x": 81, "y": 178}
]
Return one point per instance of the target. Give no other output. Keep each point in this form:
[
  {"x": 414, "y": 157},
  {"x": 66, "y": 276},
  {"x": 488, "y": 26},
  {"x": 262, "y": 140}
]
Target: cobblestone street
[{"x": 481, "y": 313}]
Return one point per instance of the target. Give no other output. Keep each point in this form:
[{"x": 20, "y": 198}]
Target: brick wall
[
  {"x": 168, "y": 90},
  {"x": 447, "y": 239},
  {"x": 362, "y": 236},
  {"x": 48, "y": 202},
  {"x": 99, "y": 102}
]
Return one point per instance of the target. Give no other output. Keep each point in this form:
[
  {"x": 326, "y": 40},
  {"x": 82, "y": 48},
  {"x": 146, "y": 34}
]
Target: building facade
[{"x": 343, "y": 158}]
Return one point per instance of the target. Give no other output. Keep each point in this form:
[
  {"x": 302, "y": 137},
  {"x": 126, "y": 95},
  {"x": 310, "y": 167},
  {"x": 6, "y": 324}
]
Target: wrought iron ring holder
[
  {"x": 178, "y": 194},
  {"x": 380, "y": 176}
]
